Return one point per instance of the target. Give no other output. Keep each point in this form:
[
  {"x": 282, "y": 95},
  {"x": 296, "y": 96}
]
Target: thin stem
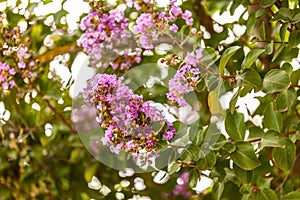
[
  {"x": 176, "y": 146},
  {"x": 290, "y": 133},
  {"x": 48, "y": 56},
  {"x": 295, "y": 85},
  {"x": 254, "y": 140},
  {"x": 189, "y": 165},
  {"x": 270, "y": 11},
  {"x": 280, "y": 187},
  {"x": 226, "y": 77},
  {"x": 277, "y": 42}
]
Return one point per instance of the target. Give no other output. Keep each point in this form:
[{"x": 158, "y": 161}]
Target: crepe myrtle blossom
[
  {"x": 6, "y": 76},
  {"x": 102, "y": 30},
  {"x": 149, "y": 25},
  {"x": 130, "y": 124},
  {"x": 182, "y": 189},
  {"x": 185, "y": 79}
]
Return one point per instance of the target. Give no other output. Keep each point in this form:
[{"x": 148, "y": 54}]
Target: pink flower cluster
[
  {"x": 130, "y": 123},
  {"x": 180, "y": 190},
  {"x": 149, "y": 25},
  {"x": 6, "y": 77},
  {"x": 144, "y": 27},
  {"x": 15, "y": 52},
  {"x": 185, "y": 78},
  {"x": 101, "y": 30}
]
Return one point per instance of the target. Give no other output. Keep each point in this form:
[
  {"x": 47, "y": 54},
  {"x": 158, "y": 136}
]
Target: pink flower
[
  {"x": 21, "y": 65},
  {"x": 176, "y": 11},
  {"x": 174, "y": 28},
  {"x": 186, "y": 15}
]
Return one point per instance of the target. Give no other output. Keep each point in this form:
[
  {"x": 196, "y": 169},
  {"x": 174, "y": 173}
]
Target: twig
[
  {"x": 295, "y": 85},
  {"x": 267, "y": 41},
  {"x": 49, "y": 55},
  {"x": 280, "y": 187},
  {"x": 270, "y": 11}
]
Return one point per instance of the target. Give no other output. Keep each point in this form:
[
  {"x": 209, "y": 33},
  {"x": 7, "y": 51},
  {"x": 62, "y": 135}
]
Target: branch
[
  {"x": 204, "y": 18},
  {"x": 49, "y": 55},
  {"x": 270, "y": 11},
  {"x": 295, "y": 85}
]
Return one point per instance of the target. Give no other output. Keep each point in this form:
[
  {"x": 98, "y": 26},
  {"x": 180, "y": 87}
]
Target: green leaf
[
  {"x": 196, "y": 134},
  {"x": 292, "y": 195},
  {"x": 295, "y": 77},
  {"x": 273, "y": 139},
  {"x": 214, "y": 103},
  {"x": 296, "y": 18},
  {"x": 294, "y": 38},
  {"x": 255, "y": 132},
  {"x": 267, "y": 3},
  {"x": 217, "y": 38},
  {"x": 210, "y": 56},
  {"x": 285, "y": 157},
  {"x": 276, "y": 80},
  {"x": 262, "y": 31},
  {"x": 265, "y": 194},
  {"x": 217, "y": 190},
  {"x": 76, "y": 155},
  {"x": 244, "y": 176},
  {"x": 5, "y": 193},
  {"x": 251, "y": 57},
  {"x": 286, "y": 99},
  {"x": 269, "y": 48},
  {"x": 279, "y": 51},
  {"x": 228, "y": 53},
  {"x": 245, "y": 90},
  {"x": 283, "y": 30},
  {"x": 287, "y": 67},
  {"x": 272, "y": 119},
  {"x": 218, "y": 145},
  {"x": 284, "y": 14},
  {"x": 90, "y": 172},
  {"x": 244, "y": 156},
  {"x": 193, "y": 178},
  {"x": 191, "y": 154},
  {"x": 251, "y": 23},
  {"x": 251, "y": 77},
  {"x": 260, "y": 13},
  {"x": 233, "y": 100},
  {"x": 207, "y": 160},
  {"x": 229, "y": 147},
  {"x": 235, "y": 125},
  {"x": 174, "y": 167},
  {"x": 47, "y": 1}
]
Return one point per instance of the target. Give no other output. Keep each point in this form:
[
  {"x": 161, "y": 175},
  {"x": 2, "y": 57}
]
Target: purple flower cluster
[
  {"x": 181, "y": 189},
  {"x": 176, "y": 12},
  {"x": 144, "y": 28},
  {"x": 185, "y": 78},
  {"x": 101, "y": 30},
  {"x": 149, "y": 25},
  {"x": 15, "y": 51},
  {"x": 130, "y": 123},
  {"x": 6, "y": 77},
  {"x": 125, "y": 61}
]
